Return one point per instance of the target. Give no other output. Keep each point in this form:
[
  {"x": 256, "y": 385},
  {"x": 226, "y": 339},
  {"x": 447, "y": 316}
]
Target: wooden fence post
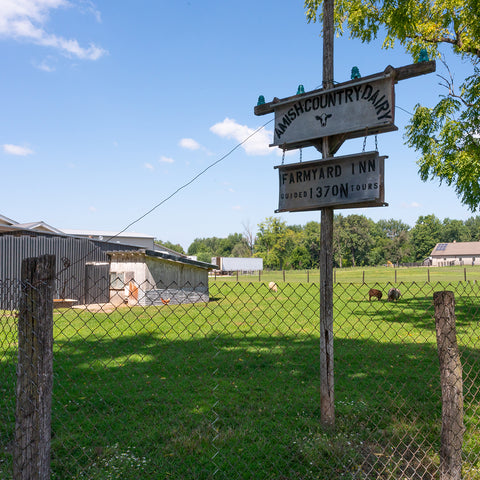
[
  {"x": 31, "y": 453},
  {"x": 452, "y": 387}
]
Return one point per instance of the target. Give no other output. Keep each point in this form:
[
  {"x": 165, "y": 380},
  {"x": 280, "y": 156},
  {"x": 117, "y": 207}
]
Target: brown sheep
[
  {"x": 374, "y": 293},
  {"x": 393, "y": 294}
]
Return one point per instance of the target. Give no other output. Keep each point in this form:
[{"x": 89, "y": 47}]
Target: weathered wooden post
[
  {"x": 31, "y": 455},
  {"x": 324, "y": 119},
  {"x": 452, "y": 387},
  {"x": 327, "y": 393}
]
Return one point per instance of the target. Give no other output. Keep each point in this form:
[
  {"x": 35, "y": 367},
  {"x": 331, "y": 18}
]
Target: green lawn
[
  {"x": 365, "y": 274},
  {"x": 230, "y": 389}
]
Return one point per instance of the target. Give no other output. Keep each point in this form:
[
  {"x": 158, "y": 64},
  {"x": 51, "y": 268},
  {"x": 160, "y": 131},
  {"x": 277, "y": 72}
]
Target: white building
[{"x": 456, "y": 253}]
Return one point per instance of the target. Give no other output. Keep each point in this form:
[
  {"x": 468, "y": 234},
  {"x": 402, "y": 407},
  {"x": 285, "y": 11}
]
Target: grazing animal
[
  {"x": 374, "y": 293},
  {"x": 393, "y": 294},
  {"x": 273, "y": 286},
  {"x": 165, "y": 302}
]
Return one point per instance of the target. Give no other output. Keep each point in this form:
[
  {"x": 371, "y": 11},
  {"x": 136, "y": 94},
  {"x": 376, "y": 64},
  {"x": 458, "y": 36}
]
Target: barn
[
  {"x": 147, "y": 277},
  {"x": 455, "y": 253},
  {"x": 84, "y": 267}
]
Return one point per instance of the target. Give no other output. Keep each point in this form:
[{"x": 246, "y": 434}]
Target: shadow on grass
[{"x": 243, "y": 407}]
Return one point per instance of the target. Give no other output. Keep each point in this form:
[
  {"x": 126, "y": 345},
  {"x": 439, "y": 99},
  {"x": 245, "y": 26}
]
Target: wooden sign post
[
  {"x": 327, "y": 397},
  {"x": 325, "y": 118}
]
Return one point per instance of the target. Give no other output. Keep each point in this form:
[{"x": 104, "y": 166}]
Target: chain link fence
[{"x": 230, "y": 388}]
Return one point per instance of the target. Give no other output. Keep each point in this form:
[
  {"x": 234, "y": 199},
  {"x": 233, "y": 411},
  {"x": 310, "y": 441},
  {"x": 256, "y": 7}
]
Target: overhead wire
[{"x": 192, "y": 180}]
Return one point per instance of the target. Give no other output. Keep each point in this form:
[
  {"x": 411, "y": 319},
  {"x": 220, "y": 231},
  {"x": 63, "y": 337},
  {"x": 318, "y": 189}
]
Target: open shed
[{"x": 146, "y": 277}]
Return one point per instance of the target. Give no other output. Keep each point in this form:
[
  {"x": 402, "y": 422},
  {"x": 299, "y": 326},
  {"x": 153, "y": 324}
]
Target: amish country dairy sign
[
  {"x": 355, "y": 109},
  {"x": 341, "y": 182},
  {"x": 351, "y": 109}
]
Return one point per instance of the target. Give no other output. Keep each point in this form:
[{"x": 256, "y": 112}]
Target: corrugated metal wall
[{"x": 72, "y": 255}]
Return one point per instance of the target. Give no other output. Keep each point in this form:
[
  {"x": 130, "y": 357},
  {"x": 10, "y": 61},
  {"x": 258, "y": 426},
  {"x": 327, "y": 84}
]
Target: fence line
[
  {"x": 229, "y": 388},
  {"x": 358, "y": 275}
]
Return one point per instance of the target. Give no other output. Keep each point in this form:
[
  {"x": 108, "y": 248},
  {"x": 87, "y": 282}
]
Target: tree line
[{"x": 358, "y": 241}]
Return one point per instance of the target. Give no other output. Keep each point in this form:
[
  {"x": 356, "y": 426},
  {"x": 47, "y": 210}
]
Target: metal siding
[{"x": 15, "y": 248}]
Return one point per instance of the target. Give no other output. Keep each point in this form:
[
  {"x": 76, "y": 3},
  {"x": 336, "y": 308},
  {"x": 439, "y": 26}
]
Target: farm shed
[
  {"x": 238, "y": 264},
  {"x": 146, "y": 277},
  {"x": 81, "y": 264},
  {"x": 456, "y": 253}
]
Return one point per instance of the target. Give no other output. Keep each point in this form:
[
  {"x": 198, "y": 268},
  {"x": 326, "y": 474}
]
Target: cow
[
  {"x": 393, "y": 294},
  {"x": 374, "y": 293}
]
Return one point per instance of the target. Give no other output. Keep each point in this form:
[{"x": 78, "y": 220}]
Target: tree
[
  {"x": 397, "y": 245},
  {"x": 473, "y": 225},
  {"x": 425, "y": 235},
  {"x": 355, "y": 238},
  {"x": 455, "y": 231},
  {"x": 447, "y": 135},
  {"x": 176, "y": 247}
]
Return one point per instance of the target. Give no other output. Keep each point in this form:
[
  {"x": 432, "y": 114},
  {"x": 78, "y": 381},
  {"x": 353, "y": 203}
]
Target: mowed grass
[
  {"x": 231, "y": 389},
  {"x": 363, "y": 275}
]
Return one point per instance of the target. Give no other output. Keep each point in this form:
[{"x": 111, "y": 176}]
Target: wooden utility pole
[{"x": 327, "y": 406}]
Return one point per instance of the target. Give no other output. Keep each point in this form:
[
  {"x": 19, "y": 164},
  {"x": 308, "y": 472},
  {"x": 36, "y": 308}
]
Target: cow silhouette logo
[{"x": 323, "y": 118}]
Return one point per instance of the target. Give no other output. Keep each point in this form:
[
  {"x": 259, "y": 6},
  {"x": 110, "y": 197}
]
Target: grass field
[
  {"x": 365, "y": 275},
  {"x": 230, "y": 389}
]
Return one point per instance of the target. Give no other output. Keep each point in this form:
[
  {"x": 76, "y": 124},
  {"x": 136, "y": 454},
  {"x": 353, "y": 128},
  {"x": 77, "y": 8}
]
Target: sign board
[
  {"x": 350, "y": 181},
  {"x": 358, "y": 108}
]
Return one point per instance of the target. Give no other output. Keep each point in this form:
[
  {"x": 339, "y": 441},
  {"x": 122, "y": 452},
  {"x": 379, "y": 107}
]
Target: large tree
[
  {"x": 426, "y": 233},
  {"x": 447, "y": 135}
]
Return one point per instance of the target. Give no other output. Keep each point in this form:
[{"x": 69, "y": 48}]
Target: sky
[{"x": 109, "y": 108}]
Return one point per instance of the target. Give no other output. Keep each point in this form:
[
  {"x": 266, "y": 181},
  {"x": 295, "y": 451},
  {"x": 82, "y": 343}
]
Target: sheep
[
  {"x": 393, "y": 294},
  {"x": 374, "y": 293},
  {"x": 273, "y": 286}
]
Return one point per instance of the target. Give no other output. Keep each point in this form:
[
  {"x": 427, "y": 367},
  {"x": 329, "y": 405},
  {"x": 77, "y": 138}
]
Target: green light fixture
[
  {"x": 300, "y": 90},
  {"x": 261, "y": 100},
  {"x": 355, "y": 73}
]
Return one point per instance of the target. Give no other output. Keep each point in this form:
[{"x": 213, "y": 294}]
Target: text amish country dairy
[{"x": 353, "y": 108}]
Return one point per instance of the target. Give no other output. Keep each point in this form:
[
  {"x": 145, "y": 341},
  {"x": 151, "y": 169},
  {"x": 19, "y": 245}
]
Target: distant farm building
[
  {"x": 84, "y": 266},
  {"x": 147, "y": 278},
  {"x": 237, "y": 264},
  {"x": 456, "y": 253}
]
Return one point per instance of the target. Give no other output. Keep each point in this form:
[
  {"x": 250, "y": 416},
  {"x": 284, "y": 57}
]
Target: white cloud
[
  {"x": 166, "y": 160},
  {"x": 44, "y": 66},
  {"x": 26, "y": 20},
  {"x": 189, "y": 144},
  {"x": 237, "y": 208},
  {"x": 256, "y": 145},
  {"x": 17, "y": 150},
  {"x": 411, "y": 205},
  {"x": 92, "y": 208},
  {"x": 149, "y": 166}
]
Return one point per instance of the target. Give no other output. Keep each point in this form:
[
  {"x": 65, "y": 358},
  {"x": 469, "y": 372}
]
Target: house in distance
[{"x": 455, "y": 253}]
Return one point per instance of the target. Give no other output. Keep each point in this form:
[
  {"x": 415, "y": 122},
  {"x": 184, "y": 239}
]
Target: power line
[{"x": 191, "y": 181}]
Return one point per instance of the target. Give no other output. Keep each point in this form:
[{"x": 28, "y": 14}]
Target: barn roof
[
  {"x": 456, "y": 249},
  {"x": 166, "y": 256}
]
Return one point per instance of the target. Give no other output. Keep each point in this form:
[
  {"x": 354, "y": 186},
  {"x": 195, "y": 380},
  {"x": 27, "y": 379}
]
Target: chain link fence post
[{"x": 31, "y": 455}]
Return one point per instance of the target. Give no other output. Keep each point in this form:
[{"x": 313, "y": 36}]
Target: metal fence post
[
  {"x": 452, "y": 387},
  {"x": 31, "y": 455}
]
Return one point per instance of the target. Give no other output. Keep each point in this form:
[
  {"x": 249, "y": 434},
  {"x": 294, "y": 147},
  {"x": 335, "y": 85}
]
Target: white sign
[
  {"x": 358, "y": 108},
  {"x": 341, "y": 182}
]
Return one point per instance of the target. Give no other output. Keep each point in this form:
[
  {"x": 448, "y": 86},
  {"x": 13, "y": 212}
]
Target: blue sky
[{"x": 109, "y": 107}]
